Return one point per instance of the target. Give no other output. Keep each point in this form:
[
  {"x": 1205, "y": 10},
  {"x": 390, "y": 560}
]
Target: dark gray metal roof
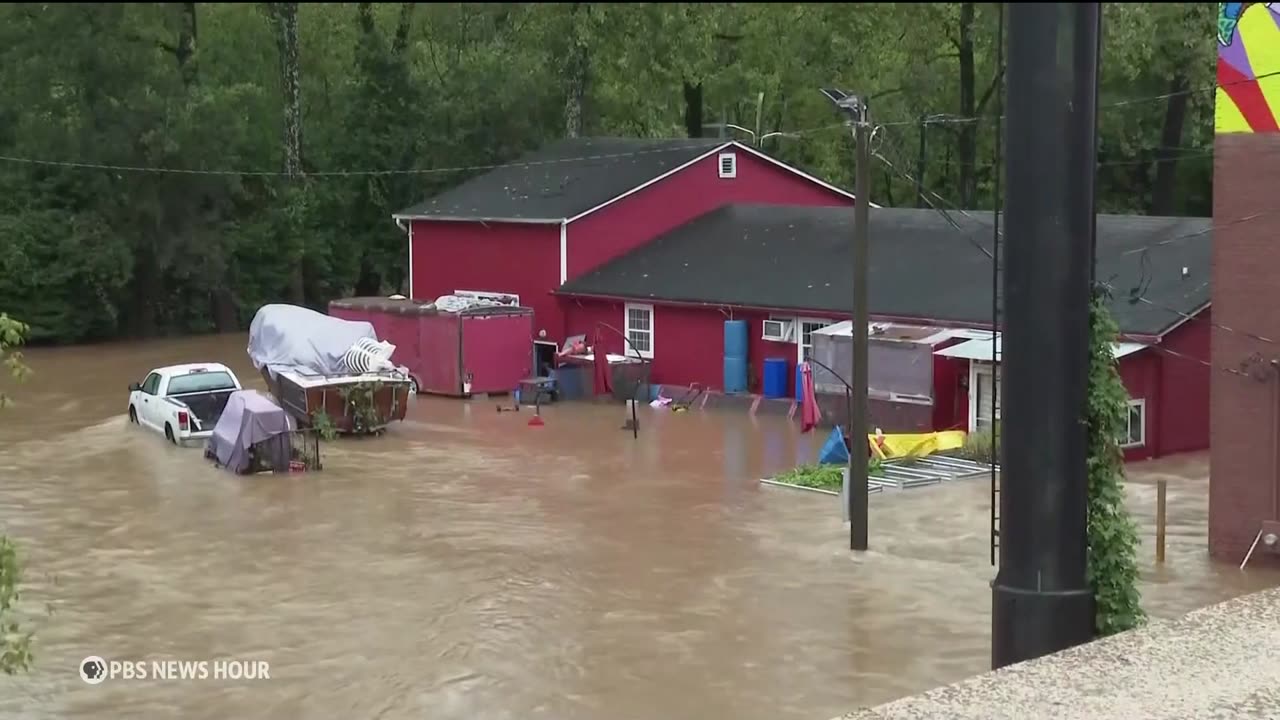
[
  {"x": 563, "y": 179},
  {"x": 785, "y": 257}
]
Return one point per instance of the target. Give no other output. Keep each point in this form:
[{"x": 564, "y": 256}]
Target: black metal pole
[
  {"x": 1041, "y": 600},
  {"x": 858, "y": 516},
  {"x": 998, "y": 205}
]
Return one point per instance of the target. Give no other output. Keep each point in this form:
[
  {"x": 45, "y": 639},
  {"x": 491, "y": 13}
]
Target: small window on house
[
  {"x": 639, "y": 329},
  {"x": 1135, "y": 432},
  {"x": 728, "y": 165}
]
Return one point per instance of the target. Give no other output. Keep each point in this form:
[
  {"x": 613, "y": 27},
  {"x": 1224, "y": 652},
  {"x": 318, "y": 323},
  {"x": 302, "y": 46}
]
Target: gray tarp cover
[
  {"x": 250, "y": 417},
  {"x": 297, "y": 339}
]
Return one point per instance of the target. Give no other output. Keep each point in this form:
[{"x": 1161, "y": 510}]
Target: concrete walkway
[{"x": 1218, "y": 662}]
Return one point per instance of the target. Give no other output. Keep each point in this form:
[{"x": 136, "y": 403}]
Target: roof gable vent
[{"x": 728, "y": 165}]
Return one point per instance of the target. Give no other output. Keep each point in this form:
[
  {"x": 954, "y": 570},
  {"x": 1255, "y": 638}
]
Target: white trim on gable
[
  {"x": 451, "y": 218},
  {"x": 644, "y": 185},
  {"x": 801, "y": 173},
  {"x": 1183, "y": 320},
  {"x": 717, "y": 150}
]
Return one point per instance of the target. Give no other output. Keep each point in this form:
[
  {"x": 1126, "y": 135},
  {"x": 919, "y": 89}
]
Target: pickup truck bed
[
  {"x": 183, "y": 401},
  {"x": 206, "y": 406}
]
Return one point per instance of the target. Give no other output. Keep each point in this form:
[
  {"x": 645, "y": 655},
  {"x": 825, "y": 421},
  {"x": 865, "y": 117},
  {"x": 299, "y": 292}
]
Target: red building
[
  {"x": 791, "y": 265},
  {"x": 523, "y": 229}
]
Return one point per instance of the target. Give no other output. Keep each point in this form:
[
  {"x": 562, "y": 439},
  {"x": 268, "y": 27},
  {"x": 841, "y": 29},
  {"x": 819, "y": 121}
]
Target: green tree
[
  {"x": 15, "y": 643},
  {"x": 228, "y": 93},
  {"x": 1112, "y": 535}
]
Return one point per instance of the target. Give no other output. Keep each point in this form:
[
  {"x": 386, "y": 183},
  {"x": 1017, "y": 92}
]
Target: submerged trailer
[
  {"x": 451, "y": 349},
  {"x": 307, "y": 360}
]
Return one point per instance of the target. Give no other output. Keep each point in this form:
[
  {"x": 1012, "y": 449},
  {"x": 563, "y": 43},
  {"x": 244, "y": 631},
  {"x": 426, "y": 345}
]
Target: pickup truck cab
[{"x": 182, "y": 401}]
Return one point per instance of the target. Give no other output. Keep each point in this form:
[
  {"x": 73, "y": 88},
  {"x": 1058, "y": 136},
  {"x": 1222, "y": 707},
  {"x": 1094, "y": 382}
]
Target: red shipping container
[{"x": 491, "y": 347}]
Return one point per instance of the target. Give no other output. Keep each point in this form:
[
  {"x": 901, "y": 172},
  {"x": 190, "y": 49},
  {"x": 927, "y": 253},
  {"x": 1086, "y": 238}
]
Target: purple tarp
[{"x": 250, "y": 418}]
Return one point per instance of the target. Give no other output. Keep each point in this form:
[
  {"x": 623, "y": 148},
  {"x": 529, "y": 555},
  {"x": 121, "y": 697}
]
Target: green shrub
[
  {"x": 982, "y": 446},
  {"x": 825, "y": 477}
]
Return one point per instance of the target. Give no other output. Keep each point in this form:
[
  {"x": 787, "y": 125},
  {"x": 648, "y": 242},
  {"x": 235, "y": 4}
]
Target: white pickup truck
[{"x": 182, "y": 401}]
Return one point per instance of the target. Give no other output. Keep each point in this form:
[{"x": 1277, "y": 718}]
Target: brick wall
[{"x": 1246, "y": 296}]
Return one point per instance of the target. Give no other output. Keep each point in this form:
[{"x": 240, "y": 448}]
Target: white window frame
[
  {"x": 1141, "y": 404},
  {"x": 627, "y": 329},
  {"x": 799, "y": 333},
  {"x": 732, "y": 171},
  {"x": 976, "y": 368}
]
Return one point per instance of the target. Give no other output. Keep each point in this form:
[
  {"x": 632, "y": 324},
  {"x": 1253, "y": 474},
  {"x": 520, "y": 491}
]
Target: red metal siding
[
  {"x": 950, "y": 390},
  {"x": 518, "y": 258},
  {"x": 440, "y": 370},
  {"x": 688, "y": 343},
  {"x": 698, "y": 189},
  {"x": 498, "y": 351},
  {"x": 1183, "y": 418},
  {"x": 399, "y": 330},
  {"x": 1140, "y": 373}
]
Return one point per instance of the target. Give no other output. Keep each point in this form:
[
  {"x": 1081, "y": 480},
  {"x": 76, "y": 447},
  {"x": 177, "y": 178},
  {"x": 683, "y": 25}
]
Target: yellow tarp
[{"x": 915, "y": 444}]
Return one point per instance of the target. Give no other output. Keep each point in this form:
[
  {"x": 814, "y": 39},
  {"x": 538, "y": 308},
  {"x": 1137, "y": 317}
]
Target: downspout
[
  {"x": 408, "y": 270},
  {"x": 564, "y": 251}
]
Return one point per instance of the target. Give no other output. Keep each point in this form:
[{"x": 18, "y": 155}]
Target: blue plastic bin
[
  {"x": 735, "y": 375},
  {"x": 775, "y": 377}
]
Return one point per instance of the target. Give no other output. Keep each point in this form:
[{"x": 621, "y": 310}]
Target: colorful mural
[{"x": 1248, "y": 96}]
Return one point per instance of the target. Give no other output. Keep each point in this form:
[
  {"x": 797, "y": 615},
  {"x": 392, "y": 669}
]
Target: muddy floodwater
[{"x": 465, "y": 565}]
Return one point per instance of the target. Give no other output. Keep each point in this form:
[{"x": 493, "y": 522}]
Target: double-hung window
[{"x": 639, "y": 329}]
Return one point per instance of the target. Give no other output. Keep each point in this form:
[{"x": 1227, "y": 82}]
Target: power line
[
  {"x": 1118, "y": 104},
  {"x": 1131, "y": 251},
  {"x": 351, "y": 173},
  {"x": 1133, "y": 296},
  {"x": 933, "y": 120}
]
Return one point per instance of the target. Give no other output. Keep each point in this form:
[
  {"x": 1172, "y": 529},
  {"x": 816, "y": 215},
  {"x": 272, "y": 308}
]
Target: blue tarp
[{"x": 834, "y": 451}]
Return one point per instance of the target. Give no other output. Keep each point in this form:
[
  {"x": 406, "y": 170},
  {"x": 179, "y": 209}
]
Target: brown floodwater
[{"x": 465, "y": 565}]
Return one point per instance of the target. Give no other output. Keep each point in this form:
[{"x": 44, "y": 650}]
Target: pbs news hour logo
[{"x": 95, "y": 670}]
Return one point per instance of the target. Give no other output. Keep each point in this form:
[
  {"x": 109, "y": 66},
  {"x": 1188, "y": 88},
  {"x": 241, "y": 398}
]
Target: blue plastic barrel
[
  {"x": 775, "y": 377},
  {"x": 799, "y": 384},
  {"x": 735, "y": 339},
  {"x": 735, "y": 375}
]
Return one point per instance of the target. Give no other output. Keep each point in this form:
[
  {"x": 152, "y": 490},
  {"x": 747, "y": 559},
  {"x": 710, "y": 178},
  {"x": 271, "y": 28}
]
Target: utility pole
[
  {"x": 1041, "y": 599},
  {"x": 855, "y": 109},
  {"x": 924, "y": 127}
]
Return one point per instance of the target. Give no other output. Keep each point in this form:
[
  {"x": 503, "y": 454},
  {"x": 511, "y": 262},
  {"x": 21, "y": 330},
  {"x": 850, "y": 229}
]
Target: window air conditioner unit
[{"x": 779, "y": 330}]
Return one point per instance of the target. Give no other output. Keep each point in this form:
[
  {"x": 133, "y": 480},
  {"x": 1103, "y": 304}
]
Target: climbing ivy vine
[
  {"x": 15, "y": 642},
  {"x": 1113, "y": 536}
]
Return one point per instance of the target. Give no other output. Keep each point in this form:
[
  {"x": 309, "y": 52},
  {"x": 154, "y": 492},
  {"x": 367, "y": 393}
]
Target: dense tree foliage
[{"x": 274, "y": 102}]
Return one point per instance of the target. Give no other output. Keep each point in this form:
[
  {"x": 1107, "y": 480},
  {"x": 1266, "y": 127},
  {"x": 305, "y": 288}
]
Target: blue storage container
[
  {"x": 775, "y": 377},
  {"x": 799, "y": 384},
  {"x": 735, "y": 375},
  {"x": 735, "y": 339},
  {"x": 574, "y": 382}
]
